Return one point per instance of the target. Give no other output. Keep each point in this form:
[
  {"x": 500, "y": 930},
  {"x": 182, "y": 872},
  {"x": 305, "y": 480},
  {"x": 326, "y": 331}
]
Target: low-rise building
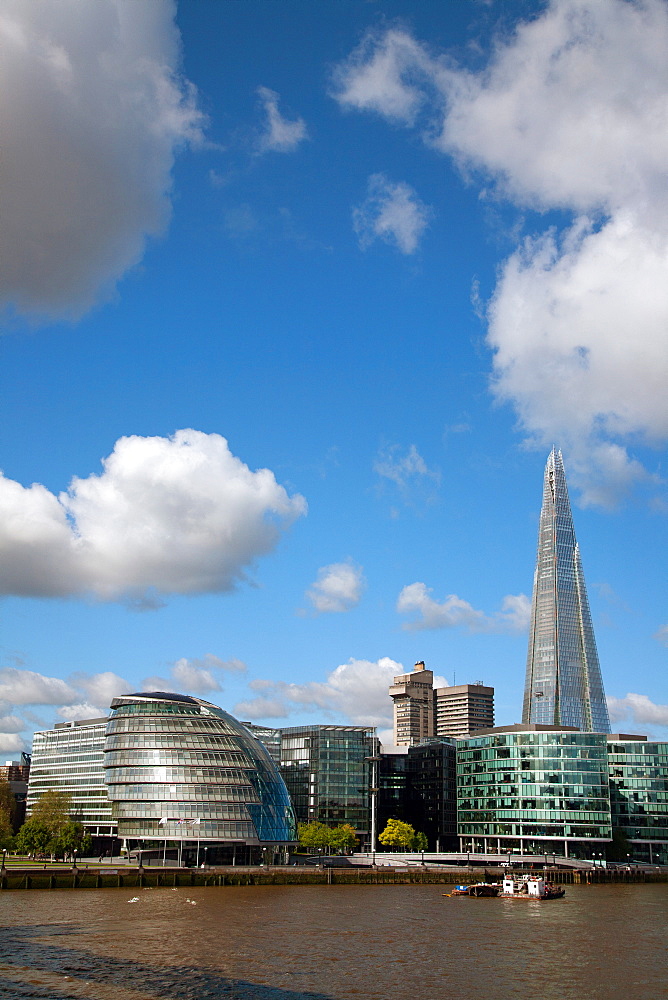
[
  {"x": 638, "y": 771},
  {"x": 534, "y": 789}
]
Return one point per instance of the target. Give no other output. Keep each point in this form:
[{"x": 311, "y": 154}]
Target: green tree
[
  {"x": 53, "y": 808},
  {"x": 318, "y": 836},
  {"x": 314, "y": 835},
  {"x": 342, "y": 838},
  {"x": 34, "y": 837},
  {"x": 397, "y": 835},
  {"x": 420, "y": 842},
  {"x": 7, "y": 813}
]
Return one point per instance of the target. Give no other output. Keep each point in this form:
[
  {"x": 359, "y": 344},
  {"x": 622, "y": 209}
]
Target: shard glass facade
[{"x": 563, "y": 680}]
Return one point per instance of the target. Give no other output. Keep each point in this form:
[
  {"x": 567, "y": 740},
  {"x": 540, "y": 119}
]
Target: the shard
[{"x": 563, "y": 681}]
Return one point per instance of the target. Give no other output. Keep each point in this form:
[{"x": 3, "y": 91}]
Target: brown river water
[{"x": 333, "y": 943}]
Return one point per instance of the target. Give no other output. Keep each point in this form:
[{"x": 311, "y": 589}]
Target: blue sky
[{"x": 296, "y": 299}]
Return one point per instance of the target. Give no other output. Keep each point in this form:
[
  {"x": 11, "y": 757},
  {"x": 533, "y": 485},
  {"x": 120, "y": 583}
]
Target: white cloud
[
  {"x": 11, "y": 742},
  {"x": 661, "y": 635},
  {"x": 454, "y": 612},
  {"x": 356, "y": 691},
  {"x": 199, "y": 675},
  {"x": 25, "y": 687},
  {"x": 388, "y": 73},
  {"x": 92, "y": 111},
  {"x": 280, "y": 134},
  {"x": 571, "y": 113},
  {"x": 338, "y": 588},
  {"x": 167, "y": 515},
  {"x": 101, "y": 688},
  {"x": 392, "y": 213},
  {"x": 639, "y": 709},
  {"x": 11, "y": 724},
  {"x": 416, "y": 483},
  {"x": 82, "y": 710}
]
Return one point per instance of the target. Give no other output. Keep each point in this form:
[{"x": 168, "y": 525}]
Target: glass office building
[
  {"x": 69, "y": 758},
  {"x": 534, "y": 789},
  {"x": 563, "y": 679},
  {"x": 639, "y": 796},
  {"x": 181, "y": 771},
  {"x": 327, "y": 774}
]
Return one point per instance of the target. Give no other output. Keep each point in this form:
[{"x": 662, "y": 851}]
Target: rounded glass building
[{"x": 185, "y": 774}]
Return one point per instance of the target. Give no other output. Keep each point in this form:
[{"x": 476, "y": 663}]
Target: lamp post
[
  {"x": 374, "y": 760},
  {"x": 3, "y": 870},
  {"x": 74, "y": 859}
]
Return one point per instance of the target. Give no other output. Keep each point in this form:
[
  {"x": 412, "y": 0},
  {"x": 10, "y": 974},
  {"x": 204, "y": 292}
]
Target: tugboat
[{"x": 531, "y": 887}]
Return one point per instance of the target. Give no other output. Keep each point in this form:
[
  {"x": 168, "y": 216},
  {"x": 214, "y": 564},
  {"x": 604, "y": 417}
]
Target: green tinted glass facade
[
  {"x": 327, "y": 774},
  {"x": 639, "y": 797},
  {"x": 535, "y": 791}
]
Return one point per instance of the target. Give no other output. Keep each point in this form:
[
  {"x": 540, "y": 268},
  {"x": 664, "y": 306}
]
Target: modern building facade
[
  {"x": 638, "y": 771},
  {"x": 535, "y": 789},
  {"x": 563, "y": 678},
  {"x": 16, "y": 773},
  {"x": 181, "y": 772},
  {"x": 413, "y": 697},
  {"x": 417, "y": 785},
  {"x": 326, "y": 770},
  {"x": 463, "y": 709},
  {"x": 69, "y": 758},
  {"x": 270, "y": 737}
]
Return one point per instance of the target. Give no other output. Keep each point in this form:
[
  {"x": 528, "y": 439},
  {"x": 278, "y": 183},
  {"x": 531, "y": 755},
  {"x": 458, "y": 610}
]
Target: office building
[
  {"x": 638, "y": 771},
  {"x": 463, "y": 709},
  {"x": 432, "y": 792},
  {"x": 413, "y": 697},
  {"x": 183, "y": 774},
  {"x": 16, "y": 773},
  {"x": 417, "y": 785},
  {"x": 563, "y": 678},
  {"x": 537, "y": 789},
  {"x": 270, "y": 737},
  {"x": 69, "y": 758},
  {"x": 326, "y": 770}
]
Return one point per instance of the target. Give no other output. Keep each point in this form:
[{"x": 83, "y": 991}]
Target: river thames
[{"x": 604, "y": 942}]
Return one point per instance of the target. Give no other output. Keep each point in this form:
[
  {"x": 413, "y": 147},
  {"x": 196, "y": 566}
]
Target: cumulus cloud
[
  {"x": 454, "y": 612},
  {"x": 166, "y": 515},
  {"x": 338, "y": 588},
  {"x": 570, "y": 113},
  {"x": 92, "y": 112},
  {"x": 82, "y": 710},
  {"x": 26, "y": 687},
  {"x": 391, "y": 212},
  {"x": 355, "y": 691},
  {"x": 280, "y": 135},
  {"x": 639, "y": 709}
]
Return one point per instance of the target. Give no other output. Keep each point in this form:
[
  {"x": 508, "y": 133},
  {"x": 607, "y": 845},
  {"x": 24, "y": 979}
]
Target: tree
[
  {"x": 318, "y": 836},
  {"x": 397, "y": 835},
  {"x": 7, "y": 813},
  {"x": 420, "y": 842},
  {"x": 343, "y": 838},
  {"x": 53, "y": 808},
  {"x": 619, "y": 849},
  {"x": 50, "y": 828},
  {"x": 34, "y": 837}
]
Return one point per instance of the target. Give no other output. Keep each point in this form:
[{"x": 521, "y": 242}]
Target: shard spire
[{"x": 563, "y": 680}]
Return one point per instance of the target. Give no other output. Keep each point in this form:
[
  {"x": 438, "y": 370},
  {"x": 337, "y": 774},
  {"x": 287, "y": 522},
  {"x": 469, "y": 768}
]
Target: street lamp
[
  {"x": 74, "y": 859},
  {"x": 3, "y": 870},
  {"x": 374, "y": 760}
]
